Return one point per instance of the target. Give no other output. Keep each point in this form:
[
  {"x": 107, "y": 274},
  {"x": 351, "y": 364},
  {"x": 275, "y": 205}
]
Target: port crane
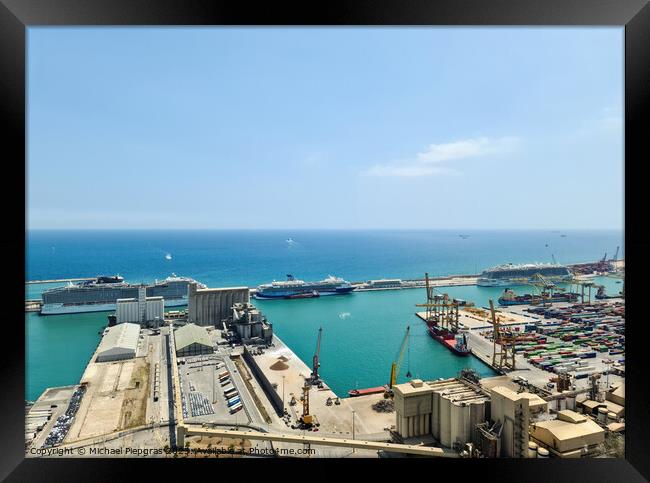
[
  {"x": 504, "y": 356},
  {"x": 306, "y": 420},
  {"x": 440, "y": 309},
  {"x": 315, "y": 377},
  {"x": 545, "y": 288},
  {"x": 397, "y": 365}
]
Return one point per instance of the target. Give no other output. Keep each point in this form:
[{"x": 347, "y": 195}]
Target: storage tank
[
  {"x": 611, "y": 418},
  {"x": 445, "y": 422},
  {"x": 542, "y": 452},
  {"x": 571, "y": 402},
  {"x": 435, "y": 415},
  {"x": 602, "y": 415},
  {"x": 532, "y": 449}
]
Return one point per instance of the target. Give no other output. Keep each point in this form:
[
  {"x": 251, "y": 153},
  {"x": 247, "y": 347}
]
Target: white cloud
[{"x": 427, "y": 163}]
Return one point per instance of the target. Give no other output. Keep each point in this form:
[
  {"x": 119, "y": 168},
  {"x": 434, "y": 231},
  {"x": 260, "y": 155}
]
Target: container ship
[
  {"x": 293, "y": 288},
  {"x": 457, "y": 343},
  {"x": 510, "y": 298},
  {"x": 512, "y": 275},
  {"x": 101, "y": 294}
]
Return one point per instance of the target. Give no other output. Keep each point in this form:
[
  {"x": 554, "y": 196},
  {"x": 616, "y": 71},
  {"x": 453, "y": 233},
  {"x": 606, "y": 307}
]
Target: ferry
[
  {"x": 293, "y": 288},
  {"x": 512, "y": 275},
  {"x": 101, "y": 294}
]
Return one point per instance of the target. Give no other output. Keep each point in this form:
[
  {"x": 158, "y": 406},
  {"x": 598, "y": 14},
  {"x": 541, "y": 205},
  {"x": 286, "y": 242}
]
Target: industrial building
[
  {"x": 571, "y": 435},
  {"x": 146, "y": 311},
  {"x": 119, "y": 342},
  {"x": 192, "y": 340},
  {"x": 250, "y": 326},
  {"x": 449, "y": 410},
  {"x": 511, "y": 410},
  {"x": 213, "y": 306}
]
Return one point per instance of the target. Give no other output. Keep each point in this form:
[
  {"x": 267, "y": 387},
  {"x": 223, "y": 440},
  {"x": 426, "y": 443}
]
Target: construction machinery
[
  {"x": 397, "y": 365},
  {"x": 503, "y": 354},
  {"x": 315, "y": 378},
  {"x": 307, "y": 419}
]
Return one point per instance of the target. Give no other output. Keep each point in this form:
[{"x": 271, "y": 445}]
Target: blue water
[
  {"x": 220, "y": 258},
  {"x": 361, "y": 331}
]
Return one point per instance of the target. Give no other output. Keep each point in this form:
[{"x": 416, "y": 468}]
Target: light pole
[{"x": 354, "y": 450}]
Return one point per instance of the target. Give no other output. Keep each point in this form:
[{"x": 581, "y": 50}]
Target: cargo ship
[
  {"x": 510, "y": 275},
  {"x": 602, "y": 295},
  {"x": 457, "y": 343},
  {"x": 293, "y": 288},
  {"x": 101, "y": 294},
  {"x": 510, "y": 298}
]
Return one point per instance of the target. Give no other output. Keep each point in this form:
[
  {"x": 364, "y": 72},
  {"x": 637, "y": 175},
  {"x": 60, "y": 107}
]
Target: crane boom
[
  {"x": 397, "y": 364},
  {"x": 316, "y": 362}
]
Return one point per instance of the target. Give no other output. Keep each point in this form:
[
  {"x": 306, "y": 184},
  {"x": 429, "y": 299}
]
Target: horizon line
[{"x": 326, "y": 229}]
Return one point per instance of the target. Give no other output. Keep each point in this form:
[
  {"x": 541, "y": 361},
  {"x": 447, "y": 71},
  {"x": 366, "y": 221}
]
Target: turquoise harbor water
[{"x": 361, "y": 331}]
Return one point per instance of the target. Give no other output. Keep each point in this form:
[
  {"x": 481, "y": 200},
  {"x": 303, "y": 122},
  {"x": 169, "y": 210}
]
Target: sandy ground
[{"x": 282, "y": 367}]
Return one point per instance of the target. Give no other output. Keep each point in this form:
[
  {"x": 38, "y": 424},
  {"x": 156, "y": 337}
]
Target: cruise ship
[
  {"x": 512, "y": 275},
  {"x": 293, "y": 288},
  {"x": 101, "y": 294}
]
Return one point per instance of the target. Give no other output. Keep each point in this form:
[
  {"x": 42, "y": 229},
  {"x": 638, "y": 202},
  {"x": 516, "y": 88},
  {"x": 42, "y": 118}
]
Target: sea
[{"x": 362, "y": 332}]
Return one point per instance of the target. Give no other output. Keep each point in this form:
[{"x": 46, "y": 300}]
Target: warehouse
[
  {"x": 192, "y": 340},
  {"x": 571, "y": 435},
  {"x": 119, "y": 342}
]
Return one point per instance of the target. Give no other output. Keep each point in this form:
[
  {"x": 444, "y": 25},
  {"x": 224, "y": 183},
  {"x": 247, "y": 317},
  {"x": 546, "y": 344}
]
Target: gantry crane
[
  {"x": 315, "y": 378},
  {"x": 544, "y": 287},
  {"x": 397, "y": 365},
  {"x": 504, "y": 356},
  {"x": 441, "y": 310}
]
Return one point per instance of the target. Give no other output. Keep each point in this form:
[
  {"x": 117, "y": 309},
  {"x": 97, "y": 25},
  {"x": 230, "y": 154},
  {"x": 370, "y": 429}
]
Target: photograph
[{"x": 346, "y": 242}]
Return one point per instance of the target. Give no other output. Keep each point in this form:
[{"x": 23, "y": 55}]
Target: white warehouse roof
[{"x": 121, "y": 339}]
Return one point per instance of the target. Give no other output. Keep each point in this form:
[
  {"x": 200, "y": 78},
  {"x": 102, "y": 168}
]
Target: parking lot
[
  {"x": 203, "y": 393},
  {"x": 62, "y": 424}
]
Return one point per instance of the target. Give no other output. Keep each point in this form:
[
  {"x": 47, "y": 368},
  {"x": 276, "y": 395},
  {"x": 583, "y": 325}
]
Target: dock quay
[
  {"x": 549, "y": 330},
  {"x": 189, "y": 383},
  {"x": 60, "y": 280}
]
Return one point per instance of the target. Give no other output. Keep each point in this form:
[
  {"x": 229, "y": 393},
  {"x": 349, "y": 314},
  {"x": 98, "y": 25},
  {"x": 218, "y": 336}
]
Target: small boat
[{"x": 366, "y": 392}]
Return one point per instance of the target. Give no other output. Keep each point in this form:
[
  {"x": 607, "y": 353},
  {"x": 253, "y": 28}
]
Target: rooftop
[
  {"x": 191, "y": 334},
  {"x": 563, "y": 429},
  {"x": 121, "y": 335}
]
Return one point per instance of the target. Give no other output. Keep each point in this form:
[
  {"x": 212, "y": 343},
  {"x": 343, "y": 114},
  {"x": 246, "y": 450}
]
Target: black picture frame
[{"x": 634, "y": 15}]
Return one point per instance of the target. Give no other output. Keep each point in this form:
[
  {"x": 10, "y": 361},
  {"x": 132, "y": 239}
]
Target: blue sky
[{"x": 325, "y": 128}]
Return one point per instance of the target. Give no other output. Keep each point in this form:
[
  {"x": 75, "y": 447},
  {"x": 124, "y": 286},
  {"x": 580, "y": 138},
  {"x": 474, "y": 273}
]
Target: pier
[{"x": 61, "y": 280}]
